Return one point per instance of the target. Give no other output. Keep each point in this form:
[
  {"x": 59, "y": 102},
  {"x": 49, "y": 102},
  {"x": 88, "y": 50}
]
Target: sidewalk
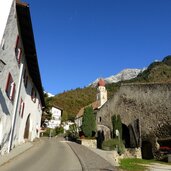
[{"x": 15, "y": 152}]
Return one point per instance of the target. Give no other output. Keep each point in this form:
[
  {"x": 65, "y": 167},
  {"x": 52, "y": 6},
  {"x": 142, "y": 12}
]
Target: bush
[
  {"x": 114, "y": 144},
  {"x": 59, "y": 130},
  {"x": 72, "y": 133},
  {"x": 49, "y": 132}
]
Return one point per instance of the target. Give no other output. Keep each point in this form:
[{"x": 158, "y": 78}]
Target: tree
[
  {"x": 64, "y": 116},
  {"x": 89, "y": 122},
  {"x": 46, "y": 115}
]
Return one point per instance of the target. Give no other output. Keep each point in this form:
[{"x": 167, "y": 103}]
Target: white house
[
  {"x": 21, "y": 93},
  {"x": 56, "y": 117}
]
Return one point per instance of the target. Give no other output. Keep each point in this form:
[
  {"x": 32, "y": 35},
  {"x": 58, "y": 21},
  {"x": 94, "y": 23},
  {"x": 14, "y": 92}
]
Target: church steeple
[{"x": 102, "y": 92}]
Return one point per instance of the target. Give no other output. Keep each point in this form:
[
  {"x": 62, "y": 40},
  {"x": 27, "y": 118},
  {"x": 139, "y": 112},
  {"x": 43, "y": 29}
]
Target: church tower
[{"x": 102, "y": 93}]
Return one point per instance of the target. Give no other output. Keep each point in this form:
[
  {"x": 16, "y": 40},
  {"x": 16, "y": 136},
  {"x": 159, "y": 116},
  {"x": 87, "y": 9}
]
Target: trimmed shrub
[{"x": 114, "y": 144}]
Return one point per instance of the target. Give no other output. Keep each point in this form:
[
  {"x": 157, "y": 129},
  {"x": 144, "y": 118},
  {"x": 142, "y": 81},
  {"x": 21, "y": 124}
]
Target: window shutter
[
  {"x": 12, "y": 93},
  {"x": 22, "y": 110},
  {"x": 3, "y": 44},
  {"x": 8, "y": 81},
  {"x": 21, "y": 101},
  {"x": 19, "y": 55},
  {"x": 17, "y": 42}
]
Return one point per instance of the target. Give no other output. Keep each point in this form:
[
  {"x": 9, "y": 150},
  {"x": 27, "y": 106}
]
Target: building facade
[
  {"x": 56, "y": 117},
  {"x": 21, "y": 94},
  {"x": 144, "y": 109}
]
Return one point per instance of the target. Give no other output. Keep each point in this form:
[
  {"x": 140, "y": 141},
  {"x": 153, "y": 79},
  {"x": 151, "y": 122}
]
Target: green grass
[{"x": 133, "y": 164}]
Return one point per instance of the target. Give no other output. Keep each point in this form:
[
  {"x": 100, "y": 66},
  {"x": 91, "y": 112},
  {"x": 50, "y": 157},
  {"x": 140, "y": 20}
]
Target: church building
[{"x": 101, "y": 99}]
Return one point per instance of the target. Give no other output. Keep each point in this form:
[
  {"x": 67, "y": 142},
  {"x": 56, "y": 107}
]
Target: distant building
[
  {"x": 21, "y": 93},
  {"x": 101, "y": 100},
  {"x": 56, "y": 117}
]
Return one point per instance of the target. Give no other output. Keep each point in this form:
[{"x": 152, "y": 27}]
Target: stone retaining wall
[
  {"x": 147, "y": 103},
  {"x": 89, "y": 143}
]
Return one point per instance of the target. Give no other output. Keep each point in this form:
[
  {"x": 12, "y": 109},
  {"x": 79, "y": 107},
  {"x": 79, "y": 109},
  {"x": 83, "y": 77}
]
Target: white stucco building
[
  {"x": 56, "y": 117},
  {"x": 21, "y": 94}
]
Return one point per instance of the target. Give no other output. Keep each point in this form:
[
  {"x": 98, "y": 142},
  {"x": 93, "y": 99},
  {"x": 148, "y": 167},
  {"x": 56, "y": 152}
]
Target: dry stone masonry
[{"x": 145, "y": 109}]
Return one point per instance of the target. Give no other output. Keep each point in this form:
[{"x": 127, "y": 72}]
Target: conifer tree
[
  {"x": 89, "y": 122},
  {"x": 117, "y": 125}
]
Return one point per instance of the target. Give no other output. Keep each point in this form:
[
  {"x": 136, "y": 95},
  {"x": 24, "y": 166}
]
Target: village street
[{"x": 56, "y": 155}]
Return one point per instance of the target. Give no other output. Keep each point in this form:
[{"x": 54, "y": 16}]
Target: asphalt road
[
  {"x": 47, "y": 155},
  {"x": 57, "y": 155}
]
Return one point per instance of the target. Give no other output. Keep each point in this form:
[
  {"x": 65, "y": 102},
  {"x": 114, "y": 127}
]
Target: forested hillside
[{"x": 72, "y": 101}]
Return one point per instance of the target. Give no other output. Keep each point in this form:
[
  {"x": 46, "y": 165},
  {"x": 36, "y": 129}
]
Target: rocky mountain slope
[{"x": 125, "y": 74}]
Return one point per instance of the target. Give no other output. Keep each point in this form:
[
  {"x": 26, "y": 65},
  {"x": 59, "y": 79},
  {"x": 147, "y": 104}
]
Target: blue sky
[{"x": 78, "y": 41}]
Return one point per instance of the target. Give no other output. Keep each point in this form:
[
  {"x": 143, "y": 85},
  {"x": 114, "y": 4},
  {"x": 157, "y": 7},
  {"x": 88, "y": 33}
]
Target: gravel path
[{"x": 90, "y": 161}]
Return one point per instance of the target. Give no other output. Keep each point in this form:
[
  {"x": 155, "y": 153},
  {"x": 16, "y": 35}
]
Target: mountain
[
  {"x": 125, "y": 74},
  {"x": 157, "y": 72},
  {"x": 49, "y": 94},
  {"x": 72, "y": 101}
]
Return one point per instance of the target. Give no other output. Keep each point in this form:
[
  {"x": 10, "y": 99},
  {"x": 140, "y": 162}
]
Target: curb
[{"x": 84, "y": 167}]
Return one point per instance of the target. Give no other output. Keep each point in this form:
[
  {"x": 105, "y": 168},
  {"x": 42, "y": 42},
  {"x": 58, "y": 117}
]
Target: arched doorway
[
  {"x": 27, "y": 128},
  {"x": 146, "y": 150},
  {"x": 100, "y": 138},
  {"x": 126, "y": 135}
]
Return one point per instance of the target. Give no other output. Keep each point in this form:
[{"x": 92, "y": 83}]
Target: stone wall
[
  {"x": 89, "y": 143},
  {"x": 149, "y": 103}
]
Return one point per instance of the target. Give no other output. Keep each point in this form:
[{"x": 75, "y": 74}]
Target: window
[
  {"x": 18, "y": 50},
  {"x": 33, "y": 95},
  {"x": 99, "y": 119},
  {"x": 18, "y": 55},
  {"x": 21, "y": 109},
  {"x": 39, "y": 105},
  {"x": 10, "y": 87}
]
